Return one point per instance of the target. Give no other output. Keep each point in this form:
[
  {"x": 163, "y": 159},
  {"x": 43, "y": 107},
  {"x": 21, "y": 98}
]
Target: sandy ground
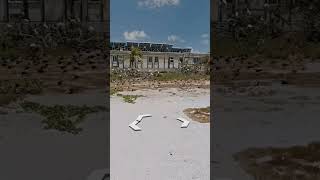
[
  {"x": 29, "y": 152},
  {"x": 289, "y": 117},
  {"x": 162, "y": 150}
]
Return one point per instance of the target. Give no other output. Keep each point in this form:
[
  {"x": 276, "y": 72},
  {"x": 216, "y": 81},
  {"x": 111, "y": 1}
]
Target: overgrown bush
[
  {"x": 62, "y": 118},
  {"x": 70, "y": 33}
]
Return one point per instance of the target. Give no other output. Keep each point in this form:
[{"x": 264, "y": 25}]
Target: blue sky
[{"x": 183, "y": 23}]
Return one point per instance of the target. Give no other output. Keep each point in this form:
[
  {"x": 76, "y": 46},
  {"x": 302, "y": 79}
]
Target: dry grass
[{"x": 201, "y": 115}]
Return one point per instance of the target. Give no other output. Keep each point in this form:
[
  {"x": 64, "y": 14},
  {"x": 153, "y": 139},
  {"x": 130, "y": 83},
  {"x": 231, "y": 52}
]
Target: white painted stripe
[
  {"x": 185, "y": 123},
  {"x": 134, "y": 126}
]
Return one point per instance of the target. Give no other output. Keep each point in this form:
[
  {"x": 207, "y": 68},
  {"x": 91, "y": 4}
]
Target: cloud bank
[{"x": 134, "y": 35}]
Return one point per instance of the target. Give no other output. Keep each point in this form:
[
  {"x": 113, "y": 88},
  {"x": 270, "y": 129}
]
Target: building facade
[
  {"x": 280, "y": 11},
  {"x": 91, "y": 12},
  {"x": 154, "y": 56}
]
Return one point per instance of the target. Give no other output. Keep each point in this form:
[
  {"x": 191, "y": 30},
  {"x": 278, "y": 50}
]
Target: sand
[
  {"x": 162, "y": 150},
  {"x": 289, "y": 117}
]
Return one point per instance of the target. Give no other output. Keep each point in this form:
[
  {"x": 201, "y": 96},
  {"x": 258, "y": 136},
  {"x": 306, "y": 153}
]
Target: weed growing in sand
[
  {"x": 129, "y": 98},
  {"x": 62, "y": 118}
]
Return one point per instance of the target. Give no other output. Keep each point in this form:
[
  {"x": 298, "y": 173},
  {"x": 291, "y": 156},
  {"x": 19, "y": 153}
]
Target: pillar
[
  {"x": 42, "y": 10},
  {"x": 106, "y": 17},
  {"x": 4, "y": 11},
  {"x": 84, "y": 11},
  {"x": 164, "y": 61},
  {"x": 214, "y": 21},
  {"x": 25, "y": 5}
]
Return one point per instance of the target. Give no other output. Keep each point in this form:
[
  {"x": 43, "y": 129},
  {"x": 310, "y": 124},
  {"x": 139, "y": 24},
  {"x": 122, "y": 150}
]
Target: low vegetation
[
  {"x": 129, "y": 98},
  {"x": 13, "y": 90},
  {"x": 134, "y": 74},
  {"x": 62, "y": 118},
  {"x": 172, "y": 76}
]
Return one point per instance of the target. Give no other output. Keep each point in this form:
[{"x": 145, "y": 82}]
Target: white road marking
[
  {"x": 185, "y": 123},
  {"x": 134, "y": 126}
]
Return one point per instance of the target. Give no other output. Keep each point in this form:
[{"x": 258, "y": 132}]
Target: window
[
  {"x": 195, "y": 60},
  {"x": 114, "y": 58}
]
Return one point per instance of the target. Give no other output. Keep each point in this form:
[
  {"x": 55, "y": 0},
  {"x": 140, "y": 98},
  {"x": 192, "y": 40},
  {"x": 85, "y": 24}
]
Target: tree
[{"x": 134, "y": 56}]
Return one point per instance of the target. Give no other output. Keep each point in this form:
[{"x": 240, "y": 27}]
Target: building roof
[{"x": 147, "y": 46}]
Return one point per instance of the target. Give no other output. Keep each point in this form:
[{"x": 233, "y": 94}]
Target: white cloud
[
  {"x": 134, "y": 35},
  {"x": 195, "y": 51},
  {"x": 205, "y": 41},
  {"x": 158, "y": 3},
  {"x": 205, "y": 35},
  {"x": 175, "y": 39}
]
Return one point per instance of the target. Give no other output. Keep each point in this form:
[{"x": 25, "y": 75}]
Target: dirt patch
[
  {"x": 201, "y": 115},
  {"x": 296, "y": 162}
]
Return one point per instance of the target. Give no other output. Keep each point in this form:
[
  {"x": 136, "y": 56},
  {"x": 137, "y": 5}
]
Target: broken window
[
  {"x": 156, "y": 59},
  {"x": 16, "y": 12},
  {"x": 34, "y": 9}
]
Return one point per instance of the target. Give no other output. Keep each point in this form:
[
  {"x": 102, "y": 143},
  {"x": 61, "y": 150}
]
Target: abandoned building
[
  {"x": 280, "y": 11},
  {"x": 154, "y": 55},
  {"x": 94, "y": 13}
]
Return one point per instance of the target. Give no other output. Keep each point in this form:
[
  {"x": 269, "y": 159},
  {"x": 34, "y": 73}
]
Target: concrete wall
[
  {"x": 35, "y": 11},
  {"x": 54, "y": 10},
  {"x": 163, "y": 59},
  {"x": 95, "y": 14}
]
